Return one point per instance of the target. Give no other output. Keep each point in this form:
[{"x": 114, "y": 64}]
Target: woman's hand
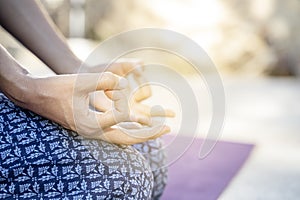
[
  {"x": 138, "y": 111},
  {"x": 131, "y": 133},
  {"x": 124, "y": 68},
  {"x": 101, "y": 101},
  {"x": 65, "y": 100}
]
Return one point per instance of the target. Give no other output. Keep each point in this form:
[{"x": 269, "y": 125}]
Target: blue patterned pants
[{"x": 41, "y": 160}]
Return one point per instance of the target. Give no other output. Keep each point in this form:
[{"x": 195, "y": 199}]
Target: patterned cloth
[{"x": 41, "y": 160}]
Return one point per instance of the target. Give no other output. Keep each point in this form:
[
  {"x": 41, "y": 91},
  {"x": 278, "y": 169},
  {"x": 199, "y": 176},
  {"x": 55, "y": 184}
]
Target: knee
[
  {"x": 126, "y": 174},
  {"x": 153, "y": 152},
  {"x": 132, "y": 175}
]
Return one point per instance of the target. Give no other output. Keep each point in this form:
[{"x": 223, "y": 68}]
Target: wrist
[
  {"x": 19, "y": 87},
  {"x": 14, "y": 79}
]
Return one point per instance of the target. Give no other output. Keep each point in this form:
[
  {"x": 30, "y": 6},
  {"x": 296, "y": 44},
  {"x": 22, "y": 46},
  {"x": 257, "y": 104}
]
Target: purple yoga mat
[{"x": 194, "y": 179}]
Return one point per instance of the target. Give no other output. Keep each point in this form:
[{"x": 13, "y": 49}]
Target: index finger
[
  {"x": 109, "y": 81},
  {"x": 102, "y": 81},
  {"x": 133, "y": 66}
]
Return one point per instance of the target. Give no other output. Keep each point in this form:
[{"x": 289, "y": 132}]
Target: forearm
[
  {"x": 29, "y": 23},
  {"x": 14, "y": 80}
]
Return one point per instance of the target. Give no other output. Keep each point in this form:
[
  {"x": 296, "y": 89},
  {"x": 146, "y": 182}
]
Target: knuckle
[
  {"x": 122, "y": 116},
  {"x": 107, "y": 78}
]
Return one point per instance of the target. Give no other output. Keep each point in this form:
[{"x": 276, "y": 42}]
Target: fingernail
[
  {"x": 123, "y": 83},
  {"x": 138, "y": 68},
  {"x": 166, "y": 129},
  {"x": 172, "y": 114}
]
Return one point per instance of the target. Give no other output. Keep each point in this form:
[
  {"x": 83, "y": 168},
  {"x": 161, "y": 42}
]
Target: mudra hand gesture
[{"x": 127, "y": 104}]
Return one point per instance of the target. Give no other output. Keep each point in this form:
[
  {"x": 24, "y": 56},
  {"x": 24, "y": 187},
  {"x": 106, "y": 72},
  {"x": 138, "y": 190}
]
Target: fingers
[
  {"x": 119, "y": 113},
  {"x": 109, "y": 81},
  {"x": 133, "y": 136},
  {"x": 119, "y": 99},
  {"x": 158, "y": 111},
  {"x": 154, "y": 111},
  {"x": 143, "y": 119},
  {"x": 102, "y": 81},
  {"x": 133, "y": 66},
  {"x": 121, "y": 106},
  {"x": 130, "y": 125},
  {"x": 114, "y": 104},
  {"x": 144, "y": 90},
  {"x": 123, "y": 67},
  {"x": 100, "y": 102},
  {"x": 110, "y": 118},
  {"x": 112, "y": 100},
  {"x": 116, "y": 109}
]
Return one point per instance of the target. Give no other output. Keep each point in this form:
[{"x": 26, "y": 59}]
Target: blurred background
[{"x": 255, "y": 46}]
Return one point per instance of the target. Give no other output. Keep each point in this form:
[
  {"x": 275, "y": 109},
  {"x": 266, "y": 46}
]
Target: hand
[
  {"x": 138, "y": 112},
  {"x": 125, "y": 67},
  {"x": 126, "y": 133},
  {"x": 65, "y": 100}
]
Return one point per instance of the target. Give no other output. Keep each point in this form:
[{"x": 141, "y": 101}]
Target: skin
[{"x": 66, "y": 98}]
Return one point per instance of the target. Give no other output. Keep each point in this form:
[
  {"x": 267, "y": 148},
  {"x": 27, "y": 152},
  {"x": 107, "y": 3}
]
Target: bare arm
[
  {"x": 60, "y": 99},
  {"x": 14, "y": 80},
  {"x": 54, "y": 97},
  {"x": 27, "y": 21},
  {"x": 30, "y": 24}
]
